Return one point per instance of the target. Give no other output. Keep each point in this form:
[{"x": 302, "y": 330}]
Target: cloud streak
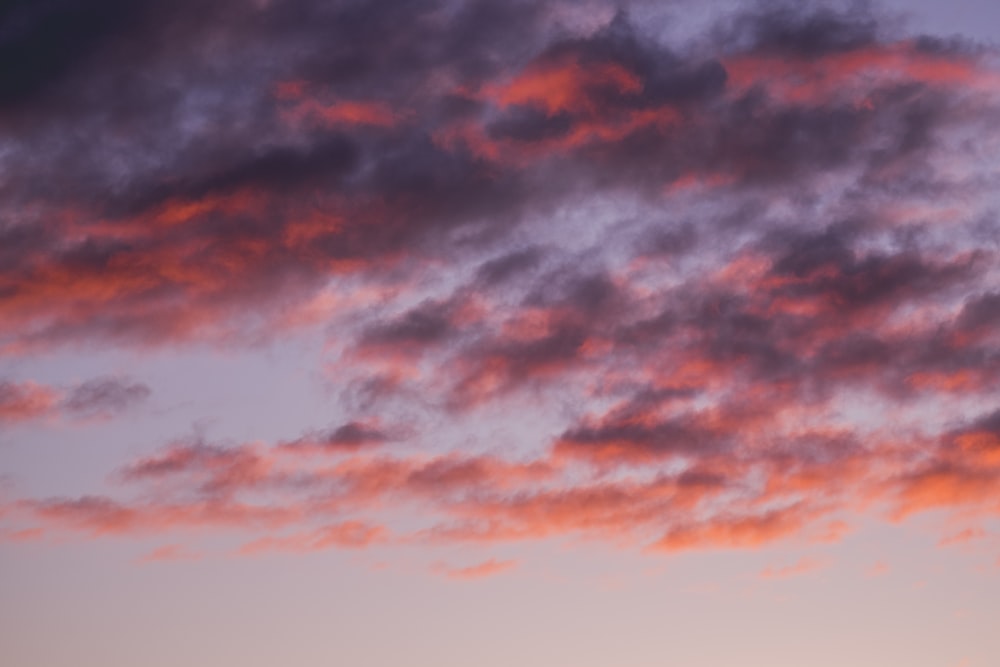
[{"x": 98, "y": 398}]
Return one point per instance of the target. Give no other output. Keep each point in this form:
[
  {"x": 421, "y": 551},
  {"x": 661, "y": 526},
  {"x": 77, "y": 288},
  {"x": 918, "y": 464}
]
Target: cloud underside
[{"x": 747, "y": 283}]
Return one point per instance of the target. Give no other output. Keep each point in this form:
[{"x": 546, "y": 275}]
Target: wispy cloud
[
  {"x": 169, "y": 553},
  {"x": 482, "y": 570},
  {"x": 802, "y": 566},
  {"x": 98, "y": 398}
]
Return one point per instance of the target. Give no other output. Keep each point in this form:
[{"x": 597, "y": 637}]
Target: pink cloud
[
  {"x": 482, "y": 570},
  {"x": 344, "y": 535},
  {"x": 804, "y": 565},
  {"x": 962, "y": 537},
  {"x": 879, "y": 569},
  {"x": 169, "y": 553},
  {"x": 25, "y": 400}
]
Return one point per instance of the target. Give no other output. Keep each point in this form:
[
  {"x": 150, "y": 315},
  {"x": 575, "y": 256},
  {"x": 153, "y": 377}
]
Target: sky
[{"x": 499, "y": 333}]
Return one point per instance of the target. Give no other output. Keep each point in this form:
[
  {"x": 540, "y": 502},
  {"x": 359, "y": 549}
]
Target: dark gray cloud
[
  {"x": 104, "y": 396},
  {"x": 785, "y": 29},
  {"x": 219, "y": 160}
]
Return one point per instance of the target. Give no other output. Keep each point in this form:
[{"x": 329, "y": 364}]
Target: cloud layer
[{"x": 748, "y": 282}]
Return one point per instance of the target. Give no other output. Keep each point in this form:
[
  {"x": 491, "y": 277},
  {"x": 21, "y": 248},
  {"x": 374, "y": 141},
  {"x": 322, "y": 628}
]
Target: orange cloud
[
  {"x": 346, "y": 113},
  {"x": 565, "y": 85},
  {"x": 947, "y": 485},
  {"x": 739, "y": 532},
  {"x": 852, "y": 75}
]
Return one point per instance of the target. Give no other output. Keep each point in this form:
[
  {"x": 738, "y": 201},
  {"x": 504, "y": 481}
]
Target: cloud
[
  {"x": 737, "y": 499},
  {"x": 482, "y": 570},
  {"x": 104, "y": 397},
  {"x": 962, "y": 470},
  {"x": 220, "y": 471},
  {"x": 101, "y": 516},
  {"x": 98, "y": 398},
  {"x": 345, "y": 535},
  {"x": 718, "y": 292},
  {"x": 351, "y": 435},
  {"x": 962, "y": 537},
  {"x": 879, "y": 569},
  {"x": 82, "y": 28},
  {"x": 347, "y": 158},
  {"x": 169, "y": 553},
  {"x": 25, "y": 400},
  {"x": 803, "y": 566}
]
